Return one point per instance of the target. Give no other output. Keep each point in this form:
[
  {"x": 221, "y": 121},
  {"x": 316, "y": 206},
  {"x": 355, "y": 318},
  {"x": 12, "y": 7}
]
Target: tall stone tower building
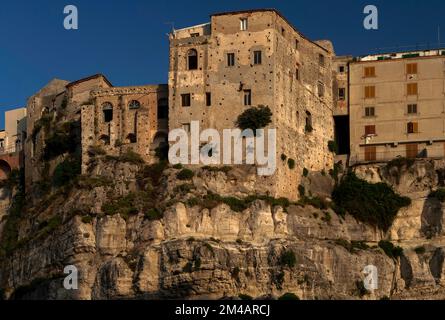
[{"x": 250, "y": 58}]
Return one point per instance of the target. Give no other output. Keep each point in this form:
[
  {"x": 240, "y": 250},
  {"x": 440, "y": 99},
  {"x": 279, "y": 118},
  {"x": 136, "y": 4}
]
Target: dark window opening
[
  {"x": 341, "y": 69},
  {"x": 108, "y": 111},
  {"x": 308, "y": 127},
  {"x": 186, "y": 100},
  {"x": 321, "y": 60},
  {"x": 230, "y": 59},
  {"x": 192, "y": 59},
  {"x": 412, "y": 109},
  {"x": 194, "y": 35},
  {"x": 247, "y": 97},
  {"x": 320, "y": 89},
  {"x": 162, "y": 109},
  {"x": 341, "y": 93},
  {"x": 208, "y": 99},
  {"x": 131, "y": 138},
  {"x": 369, "y": 111},
  {"x": 257, "y": 57},
  {"x": 342, "y": 134}
]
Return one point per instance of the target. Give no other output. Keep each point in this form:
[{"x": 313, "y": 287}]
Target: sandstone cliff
[{"x": 139, "y": 232}]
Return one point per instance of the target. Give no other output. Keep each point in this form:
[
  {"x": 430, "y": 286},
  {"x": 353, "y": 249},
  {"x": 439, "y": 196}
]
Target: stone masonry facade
[{"x": 272, "y": 64}]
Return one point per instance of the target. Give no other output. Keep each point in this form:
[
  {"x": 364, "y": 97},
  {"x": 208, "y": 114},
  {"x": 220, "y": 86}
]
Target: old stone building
[
  {"x": 252, "y": 58},
  {"x": 91, "y": 112},
  {"x": 126, "y": 118},
  {"x": 56, "y": 105}
]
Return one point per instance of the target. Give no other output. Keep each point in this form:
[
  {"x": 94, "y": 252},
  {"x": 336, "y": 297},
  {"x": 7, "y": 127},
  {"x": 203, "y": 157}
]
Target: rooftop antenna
[
  {"x": 438, "y": 37},
  {"x": 172, "y": 24}
]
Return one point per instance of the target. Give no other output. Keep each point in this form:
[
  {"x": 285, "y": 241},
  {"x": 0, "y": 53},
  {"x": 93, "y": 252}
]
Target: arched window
[
  {"x": 192, "y": 59},
  {"x": 108, "y": 111},
  {"x": 134, "y": 104},
  {"x": 162, "y": 109}
]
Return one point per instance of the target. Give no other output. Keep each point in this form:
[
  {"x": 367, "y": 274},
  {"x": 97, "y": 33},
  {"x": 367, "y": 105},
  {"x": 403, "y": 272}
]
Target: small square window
[
  {"x": 411, "y": 68},
  {"x": 411, "y": 89},
  {"x": 412, "y": 127},
  {"x": 369, "y": 72},
  {"x": 412, "y": 109},
  {"x": 186, "y": 100},
  {"x": 369, "y": 130},
  {"x": 194, "y": 35},
  {"x": 370, "y": 112},
  {"x": 341, "y": 69},
  {"x": 369, "y": 92}
]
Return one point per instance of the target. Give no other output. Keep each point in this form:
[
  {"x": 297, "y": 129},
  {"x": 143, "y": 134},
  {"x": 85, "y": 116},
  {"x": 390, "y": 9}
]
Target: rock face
[{"x": 196, "y": 252}]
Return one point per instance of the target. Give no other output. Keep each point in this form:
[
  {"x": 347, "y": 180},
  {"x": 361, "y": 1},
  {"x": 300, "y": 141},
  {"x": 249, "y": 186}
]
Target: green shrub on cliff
[{"x": 375, "y": 204}]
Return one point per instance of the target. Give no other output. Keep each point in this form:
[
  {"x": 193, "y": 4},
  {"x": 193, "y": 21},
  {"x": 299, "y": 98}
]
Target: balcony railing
[{"x": 429, "y": 152}]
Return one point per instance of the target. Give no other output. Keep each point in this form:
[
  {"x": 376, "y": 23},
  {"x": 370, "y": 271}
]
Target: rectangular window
[
  {"x": 321, "y": 60},
  {"x": 243, "y": 24},
  {"x": 412, "y": 109},
  {"x": 230, "y": 59},
  {"x": 194, "y": 35},
  {"x": 369, "y": 72},
  {"x": 370, "y": 153},
  {"x": 186, "y": 127},
  {"x": 369, "y": 130},
  {"x": 411, "y": 68},
  {"x": 257, "y": 57},
  {"x": 185, "y": 99},
  {"x": 208, "y": 99},
  {"x": 341, "y": 93},
  {"x": 412, "y": 151},
  {"x": 412, "y": 127},
  {"x": 296, "y": 43},
  {"x": 320, "y": 89},
  {"x": 247, "y": 97},
  {"x": 411, "y": 89},
  {"x": 341, "y": 69},
  {"x": 297, "y": 74},
  {"x": 369, "y": 92},
  {"x": 370, "y": 112}
]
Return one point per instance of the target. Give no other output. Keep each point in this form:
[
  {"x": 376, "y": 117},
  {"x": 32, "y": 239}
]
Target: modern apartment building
[{"x": 396, "y": 105}]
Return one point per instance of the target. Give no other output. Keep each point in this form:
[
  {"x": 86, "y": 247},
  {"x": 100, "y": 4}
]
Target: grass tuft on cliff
[{"x": 374, "y": 204}]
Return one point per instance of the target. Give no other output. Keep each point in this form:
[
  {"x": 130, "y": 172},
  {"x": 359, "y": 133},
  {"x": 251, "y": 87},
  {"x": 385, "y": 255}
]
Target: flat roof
[{"x": 270, "y": 10}]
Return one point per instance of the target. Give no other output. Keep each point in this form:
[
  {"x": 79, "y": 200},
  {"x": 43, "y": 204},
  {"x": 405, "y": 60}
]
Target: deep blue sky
[{"x": 127, "y": 41}]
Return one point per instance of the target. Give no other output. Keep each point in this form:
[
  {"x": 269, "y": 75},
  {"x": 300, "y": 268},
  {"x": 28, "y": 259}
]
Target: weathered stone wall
[
  {"x": 273, "y": 83},
  {"x": 140, "y": 129}
]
